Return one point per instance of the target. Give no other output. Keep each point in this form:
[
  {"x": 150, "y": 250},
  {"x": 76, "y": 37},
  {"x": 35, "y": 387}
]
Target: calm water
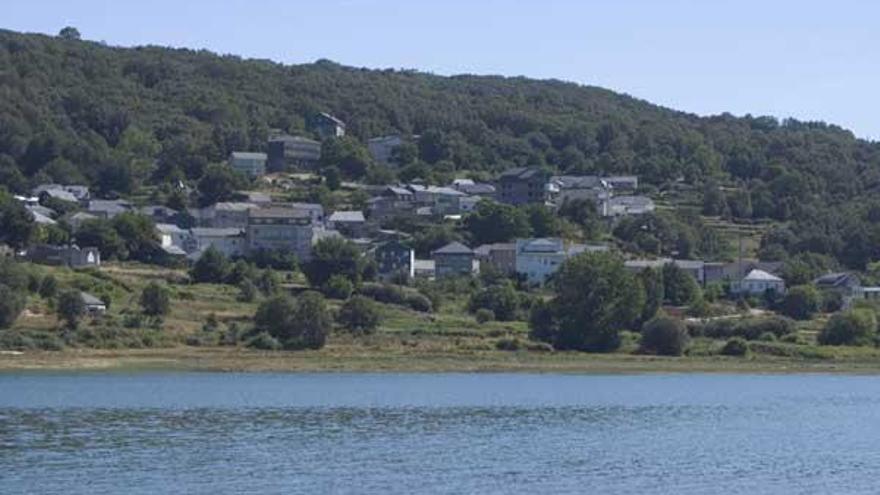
[{"x": 200, "y": 433}]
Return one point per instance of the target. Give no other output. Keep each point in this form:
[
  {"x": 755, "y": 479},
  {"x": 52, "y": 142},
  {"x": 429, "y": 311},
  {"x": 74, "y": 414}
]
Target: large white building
[{"x": 538, "y": 259}]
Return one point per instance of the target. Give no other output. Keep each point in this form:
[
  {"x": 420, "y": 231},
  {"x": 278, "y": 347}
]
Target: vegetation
[
  {"x": 853, "y": 327},
  {"x": 70, "y": 307},
  {"x": 155, "y": 300},
  {"x": 801, "y": 302},
  {"x": 360, "y": 315},
  {"x": 665, "y": 336}
]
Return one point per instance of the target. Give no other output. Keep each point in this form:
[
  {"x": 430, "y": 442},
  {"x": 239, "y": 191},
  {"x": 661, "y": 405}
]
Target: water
[{"x": 205, "y": 433}]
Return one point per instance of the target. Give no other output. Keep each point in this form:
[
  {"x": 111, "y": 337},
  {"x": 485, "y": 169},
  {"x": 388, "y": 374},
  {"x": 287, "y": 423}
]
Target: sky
[{"x": 811, "y": 60}]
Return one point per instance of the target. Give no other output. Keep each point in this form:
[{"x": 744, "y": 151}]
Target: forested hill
[{"x": 70, "y": 109}]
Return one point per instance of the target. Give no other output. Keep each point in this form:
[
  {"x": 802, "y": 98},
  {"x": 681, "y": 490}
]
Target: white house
[{"x": 757, "y": 282}]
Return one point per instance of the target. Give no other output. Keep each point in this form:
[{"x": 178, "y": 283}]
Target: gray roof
[
  {"x": 248, "y": 155},
  {"x": 579, "y": 182},
  {"x": 90, "y": 300},
  {"x": 109, "y": 205},
  {"x": 294, "y": 139},
  {"x": 234, "y": 206},
  {"x": 454, "y": 247},
  {"x": 61, "y": 194},
  {"x": 169, "y": 228},
  {"x": 834, "y": 279},
  {"x": 540, "y": 245},
  {"x": 41, "y": 219},
  {"x": 487, "y": 249},
  {"x": 278, "y": 212},
  {"x": 347, "y": 216},
  {"x": 762, "y": 276},
  {"x": 521, "y": 173},
  {"x": 216, "y": 232},
  {"x": 334, "y": 119},
  {"x": 632, "y": 201}
]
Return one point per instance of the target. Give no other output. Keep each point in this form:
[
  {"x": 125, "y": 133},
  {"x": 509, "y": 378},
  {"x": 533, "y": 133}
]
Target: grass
[{"x": 449, "y": 340}]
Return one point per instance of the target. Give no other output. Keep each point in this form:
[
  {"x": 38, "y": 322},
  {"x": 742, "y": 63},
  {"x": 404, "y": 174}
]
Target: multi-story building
[
  {"x": 538, "y": 259},
  {"x": 284, "y": 229},
  {"x": 292, "y": 152},
  {"x": 454, "y": 259},
  {"x": 524, "y": 185},
  {"x": 382, "y": 148},
  {"x": 227, "y": 215},
  {"x": 228, "y": 241},
  {"x": 394, "y": 259},
  {"x": 501, "y": 256},
  {"x": 249, "y": 163},
  {"x": 326, "y": 126}
]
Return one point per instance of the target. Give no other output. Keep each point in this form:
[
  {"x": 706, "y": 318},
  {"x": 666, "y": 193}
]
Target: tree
[
  {"x": 276, "y": 315},
  {"x": 312, "y": 322},
  {"x": 155, "y": 300},
  {"x": 70, "y": 307},
  {"x": 679, "y": 287},
  {"x": 16, "y": 223},
  {"x": 48, "y": 287},
  {"x": 219, "y": 183},
  {"x": 347, "y": 154},
  {"x": 138, "y": 235},
  {"x": 801, "y": 302},
  {"x": 338, "y": 287},
  {"x": 211, "y": 268},
  {"x": 583, "y": 212},
  {"x": 542, "y": 221},
  {"x": 11, "y": 305},
  {"x": 665, "y": 336},
  {"x": 595, "y": 298},
  {"x": 501, "y": 299},
  {"x": 360, "y": 315},
  {"x": 69, "y": 33},
  {"x": 495, "y": 222},
  {"x": 852, "y": 327},
  {"x": 101, "y": 234},
  {"x": 332, "y": 178},
  {"x": 333, "y": 256},
  {"x": 652, "y": 282}
]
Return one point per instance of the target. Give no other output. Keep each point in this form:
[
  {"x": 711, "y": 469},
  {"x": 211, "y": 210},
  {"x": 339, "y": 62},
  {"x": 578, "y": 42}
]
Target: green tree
[
  {"x": 680, "y": 289},
  {"x": 338, "y": 287},
  {"x": 11, "y": 305},
  {"x": 219, "y": 183},
  {"x": 69, "y": 33},
  {"x": 501, "y": 299},
  {"x": 347, "y": 154},
  {"x": 852, "y": 327},
  {"x": 333, "y": 256},
  {"x": 495, "y": 222},
  {"x": 332, "y": 178},
  {"x": 360, "y": 315},
  {"x": 101, "y": 234},
  {"x": 48, "y": 287},
  {"x": 138, "y": 234},
  {"x": 665, "y": 336},
  {"x": 211, "y": 268},
  {"x": 16, "y": 223},
  {"x": 583, "y": 212},
  {"x": 801, "y": 302},
  {"x": 652, "y": 281},
  {"x": 277, "y": 316},
  {"x": 595, "y": 298},
  {"x": 70, "y": 307},
  {"x": 542, "y": 221},
  {"x": 312, "y": 320},
  {"x": 155, "y": 300}
]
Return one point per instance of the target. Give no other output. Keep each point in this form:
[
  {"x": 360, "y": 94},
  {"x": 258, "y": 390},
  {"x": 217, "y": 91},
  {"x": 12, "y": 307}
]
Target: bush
[
  {"x": 665, "y": 336},
  {"x": 801, "y": 302},
  {"x": 155, "y": 300},
  {"x": 484, "y": 315},
  {"x": 20, "y": 341},
  {"x": 502, "y": 300},
  {"x": 338, "y": 287},
  {"x": 11, "y": 305},
  {"x": 48, "y": 287},
  {"x": 417, "y": 302},
  {"x": 853, "y": 327},
  {"x": 747, "y": 328},
  {"x": 509, "y": 345},
  {"x": 736, "y": 346},
  {"x": 391, "y": 294},
  {"x": 360, "y": 315},
  {"x": 265, "y": 342},
  {"x": 767, "y": 337},
  {"x": 247, "y": 291}
]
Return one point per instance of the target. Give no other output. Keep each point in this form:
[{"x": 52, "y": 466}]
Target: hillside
[{"x": 75, "y": 111}]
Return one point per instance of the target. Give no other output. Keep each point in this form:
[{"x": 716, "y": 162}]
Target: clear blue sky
[{"x": 813, "y": 60}]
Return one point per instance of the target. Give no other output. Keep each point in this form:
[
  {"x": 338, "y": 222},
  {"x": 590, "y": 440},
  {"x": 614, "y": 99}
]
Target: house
[
  {"x": 252, "y": 164},
  {"x": 475, "y": 189},
  {"x": 500, "y": 256},
  {"x": 393, "y": 201},
  {"x": 256, "y": 197},
  {"x": 846, "y": 284},
  {"x": 326, "y": 126},
  {"x": 467, "y": 204},
  {"x": 524, "y": 185},
  {"x": 40, "y": 215},
  {"x": 454, "y": 259},
  {"x": 107, "y": 208},
  {"x": 576, "y": 187},
  {"x": 160, "y": 213},
  {"x": 278, "y": 228},
  {"x": 314, "y": 210},
  {"x": 227, "y": 215},
  {"x": 57, "y": 194},
  {"x": 72, "y": 256},
  {"x": 424, "y": 268},
  {"x": 172, "y": 235},
  {"x": 76, "y": 220},
  {"x": 230, "y": 242},
  {"x": 628, "y": 205},
  {"x": 382, "y": 148},
  {"x": 348, "y": 223},
  {"x": 628, "y": 183},
  {"x": 93, "y": 306},
  {"x": 394, "y": 259},
  {"x": 538, "y": 259},
  {"x": 694, "y": 268},
  {"x": 718, "y": 272},
  {"x": 758, "y": 282},
  {"x": 75, "y": 193},
  {"x": 292, "y": 152}
]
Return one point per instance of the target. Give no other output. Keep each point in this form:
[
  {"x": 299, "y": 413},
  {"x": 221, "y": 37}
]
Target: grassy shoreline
[{"x": 353, "y": 359}]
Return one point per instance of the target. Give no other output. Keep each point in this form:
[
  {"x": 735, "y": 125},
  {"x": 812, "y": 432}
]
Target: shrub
[
  {"x": 665, "y": 336},
  {"x": 264, "y": 341},
  {"x": 853, "y": 327},
  {"x": 359, "y": 314},
  {"x": 736, "y": 346},
  {"x": 767, "y": 337},
  {"x": 70, "y": 307},
  {"x": 501, "y": 299},
  {"x": 747, "y": 328},
  {"x": 338, "y": 287},
  {"x": 247, "y": 291},
  {"x": 509, "y": 345},
  {"x": 391, "y": 294},
  {"x": 11, "y": 305},
  {"x": 21, "y": 341},
  {"x": 484, "y": 315},
  {"x": 418, "y": 302},
  {"x": 155, "y": 300},
  {"x": 801, "y": 302},
  {"x": 48, "y": 287}
]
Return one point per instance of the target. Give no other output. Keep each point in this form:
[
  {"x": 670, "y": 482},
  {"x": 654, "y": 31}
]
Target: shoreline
[{"x": 365, "y": 360}]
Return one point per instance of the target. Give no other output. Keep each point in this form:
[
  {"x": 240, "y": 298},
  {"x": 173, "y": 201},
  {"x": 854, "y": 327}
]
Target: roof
[
  {"x": 151, "y": 210},
  {"x": 216, "y": 232},
  {"x": 41, "y": 219},
  {"x": 60, "y": 194},
  {"x": 400, "y": 191},
  {"x": 82, "y": 215},
  {"x": 834, "y": 279},
  {"x": 248, "y": 155},
  {"x": 579, "y": 182},
  {"x": 476, "y": 188},
  {"x": 347, "y": 216},
  {"x": 332, "y": 118},
  {"x": 443, "y": 190},
  {"x": 540, "y": 245},
  {"x": 277, "y": 212},
  {"x": 234, "y": 206},
  {"x": 575, "y": 249},
  {"x": 294, "y": 139},
  {"x": 454, "y": 247},
  {"x": 109, "y": 205},
  {"x": 521, "y": 173},
  {"x": 761, "y": 275},
  {"x": 174, "y": 250},
  {"x": 169, "y": 228},
  {"x": 632, "y": 201},
  {"x": 90, "y": 300},
  {"x": 487, "y": 249},
  {"x": 463, "y": 182}
]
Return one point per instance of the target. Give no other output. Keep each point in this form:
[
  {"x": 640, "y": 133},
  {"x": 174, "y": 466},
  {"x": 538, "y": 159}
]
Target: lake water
[{"x": 206, "y": 433}]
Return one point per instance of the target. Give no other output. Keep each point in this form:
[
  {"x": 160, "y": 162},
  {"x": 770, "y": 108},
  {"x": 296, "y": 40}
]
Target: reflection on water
[{"x": 217, "y": 433}]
